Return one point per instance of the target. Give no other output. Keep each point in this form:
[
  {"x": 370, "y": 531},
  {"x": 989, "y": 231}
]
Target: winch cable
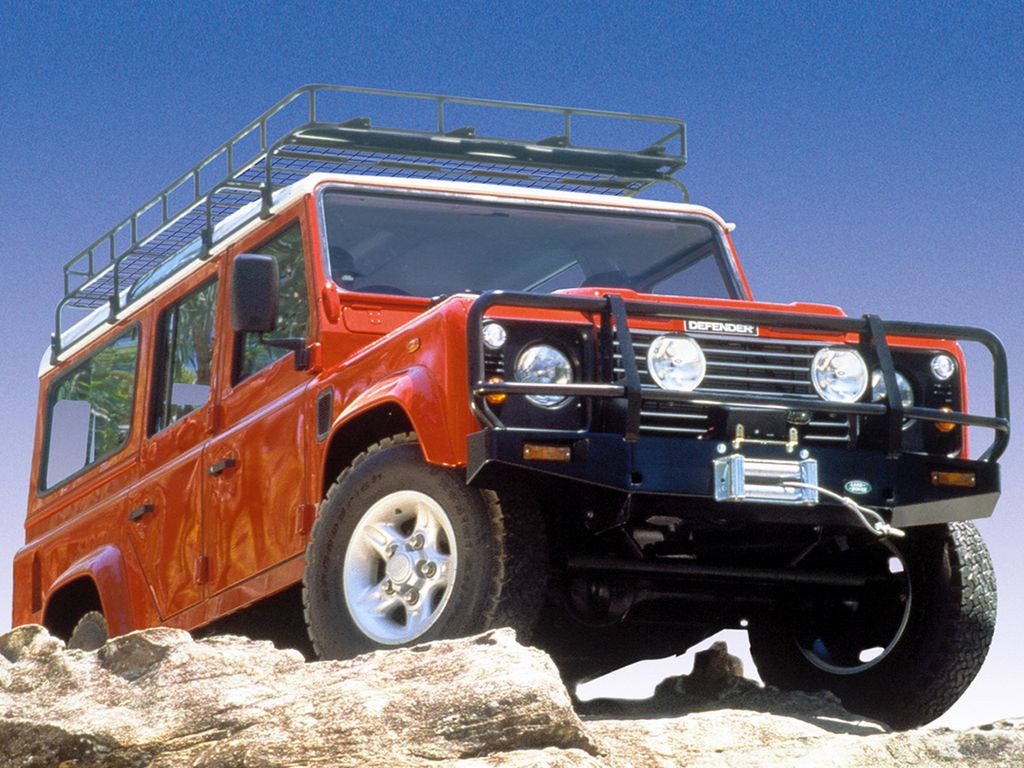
[{"x": 867, "y": 517}]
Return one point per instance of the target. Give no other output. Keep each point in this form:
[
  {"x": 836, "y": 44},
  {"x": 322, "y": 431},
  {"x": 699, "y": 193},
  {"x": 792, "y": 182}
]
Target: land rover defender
[{"x": 415, "y": 382}]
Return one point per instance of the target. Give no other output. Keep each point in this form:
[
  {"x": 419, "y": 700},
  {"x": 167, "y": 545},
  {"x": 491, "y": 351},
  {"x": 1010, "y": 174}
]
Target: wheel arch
[
  {"x": 95, "y": 582},
  {"x": 69, "y": 603},
  {"x": 408, "y": 402},
  {"x": 358, "y": 432}
]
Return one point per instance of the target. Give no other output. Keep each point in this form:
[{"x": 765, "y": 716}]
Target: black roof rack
[{"x": 248, "y": 168}]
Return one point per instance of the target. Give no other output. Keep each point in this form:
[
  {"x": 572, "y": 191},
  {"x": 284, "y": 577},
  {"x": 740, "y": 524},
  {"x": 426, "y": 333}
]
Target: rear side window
[
  {"x": 185, "y": 359},
  {"x": 89, "y": 413}
]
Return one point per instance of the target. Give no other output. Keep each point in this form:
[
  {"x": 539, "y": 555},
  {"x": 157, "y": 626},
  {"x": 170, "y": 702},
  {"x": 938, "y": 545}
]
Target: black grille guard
[{"x": 609, "y": 314}]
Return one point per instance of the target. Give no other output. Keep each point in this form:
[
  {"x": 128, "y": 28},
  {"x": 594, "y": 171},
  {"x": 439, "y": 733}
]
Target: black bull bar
[{"x": 609, "y": 314}]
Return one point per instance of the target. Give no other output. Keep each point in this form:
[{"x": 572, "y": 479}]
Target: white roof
[{"x": 95, "y": 325}]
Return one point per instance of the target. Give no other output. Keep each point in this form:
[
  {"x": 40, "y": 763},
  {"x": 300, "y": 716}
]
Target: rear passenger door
[{"x": 165, "y": 519}]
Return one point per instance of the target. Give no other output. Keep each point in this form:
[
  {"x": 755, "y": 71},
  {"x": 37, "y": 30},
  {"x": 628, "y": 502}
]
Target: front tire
[
  {"x": 404, "y": 552},
  {"x": 905, "y": 648}
]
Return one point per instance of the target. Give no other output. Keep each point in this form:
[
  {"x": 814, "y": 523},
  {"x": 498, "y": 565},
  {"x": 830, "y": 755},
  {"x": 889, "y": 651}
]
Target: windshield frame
[{"x": 725, "y": 257}]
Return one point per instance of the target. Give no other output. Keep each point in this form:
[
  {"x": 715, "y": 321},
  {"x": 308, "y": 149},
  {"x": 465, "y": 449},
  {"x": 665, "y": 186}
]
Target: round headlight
[
  {"x": 676, "y": 363},
  {"x": 878, "y": 392},
  {"x": 494, "y": 336},
  {"x": 839, "y": 374},
  {"x": 943, "y": 367},
  {"x": 543, "y": 364}
]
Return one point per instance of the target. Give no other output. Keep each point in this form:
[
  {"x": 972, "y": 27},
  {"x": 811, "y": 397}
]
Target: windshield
[{"x": 424, "y": 246}]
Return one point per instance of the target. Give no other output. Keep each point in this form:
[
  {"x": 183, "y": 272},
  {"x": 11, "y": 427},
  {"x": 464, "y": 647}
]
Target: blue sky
[{"x": 872, "y": 155}]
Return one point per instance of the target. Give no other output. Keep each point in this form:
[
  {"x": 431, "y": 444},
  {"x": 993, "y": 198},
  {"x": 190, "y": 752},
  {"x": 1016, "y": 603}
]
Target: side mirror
[{"x": 254, "y": 284}]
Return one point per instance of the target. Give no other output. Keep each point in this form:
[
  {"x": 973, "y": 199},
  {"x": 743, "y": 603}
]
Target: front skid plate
[{"x": 901, "y": 486}]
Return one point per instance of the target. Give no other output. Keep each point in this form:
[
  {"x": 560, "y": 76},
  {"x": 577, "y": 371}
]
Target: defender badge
[{"x": 718, "y": 326}]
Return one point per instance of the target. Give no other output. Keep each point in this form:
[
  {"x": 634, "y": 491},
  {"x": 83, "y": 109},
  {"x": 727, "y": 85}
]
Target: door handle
[
  {"x": 223, "y": 465},
  {"x": 140, "y": 511}
]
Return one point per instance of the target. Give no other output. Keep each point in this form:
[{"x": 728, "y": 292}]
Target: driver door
[{"x": 256, "y": 470}]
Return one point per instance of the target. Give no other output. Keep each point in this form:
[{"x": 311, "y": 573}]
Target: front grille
[{"x": 739, "y": 366}]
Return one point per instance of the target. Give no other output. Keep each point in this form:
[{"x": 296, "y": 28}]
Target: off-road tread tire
[
  {"x": 520, "y": 565},
  {"x": 521, "y": 575},
  {"x": 966, "y": 627},
  {"x": 941, "y": 652},
  {"x": 90, "y": 632}
]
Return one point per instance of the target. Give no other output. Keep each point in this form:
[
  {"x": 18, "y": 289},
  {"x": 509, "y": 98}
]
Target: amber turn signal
[
  {"x": 954, "y": 479},
  {"x": 945, "y": 426},
  {"x": 544, "y": 452},
  {"x": 498, "y": 397}
]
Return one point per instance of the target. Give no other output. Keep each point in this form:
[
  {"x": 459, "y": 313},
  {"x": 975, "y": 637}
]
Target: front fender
[{"x": 424, "y": 402}]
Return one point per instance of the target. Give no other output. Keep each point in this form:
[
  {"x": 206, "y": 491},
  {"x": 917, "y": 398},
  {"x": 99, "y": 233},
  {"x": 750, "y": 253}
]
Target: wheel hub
[
  {"x": 399, "y": 568},
  {"x": 400, "y": 564},
  {"x": 851, "y": 635}
]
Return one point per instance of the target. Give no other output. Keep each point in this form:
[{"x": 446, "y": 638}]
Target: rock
[
  {"x": 728, "y": 738},
  {"x": 717, "y": 683},
  {"x": 158, "y": 698},
  {"x": 715, "y": 670},
  {"x": 29, "y": 642}
]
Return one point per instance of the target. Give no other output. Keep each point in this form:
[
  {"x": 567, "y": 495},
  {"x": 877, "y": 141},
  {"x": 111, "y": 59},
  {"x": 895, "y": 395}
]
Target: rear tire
[
  {"x": 938, "y": 643},
  {"x": 90, "y": 633},
  {"x": 404, "y": 552}
]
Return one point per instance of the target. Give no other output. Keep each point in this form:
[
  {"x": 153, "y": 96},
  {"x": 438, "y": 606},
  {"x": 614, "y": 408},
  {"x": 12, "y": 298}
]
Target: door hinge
[
  {"x": 214, "y": 418},
  {"x": 304, "y": 517},
  {"x": 201, "y": 569}
]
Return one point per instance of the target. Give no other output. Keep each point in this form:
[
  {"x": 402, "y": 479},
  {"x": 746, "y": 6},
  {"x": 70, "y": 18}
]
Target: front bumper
[
  {"x": 903, "y": 488},
  {"x": 907, "y": 487}
]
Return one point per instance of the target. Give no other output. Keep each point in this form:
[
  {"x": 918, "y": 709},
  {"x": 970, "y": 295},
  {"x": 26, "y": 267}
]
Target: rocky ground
[{"x": 159, "y": 698}]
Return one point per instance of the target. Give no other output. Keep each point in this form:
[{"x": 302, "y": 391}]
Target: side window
[
  {"x": 293, "y": 305},
  {"x": 89, "y": 413},
  {"x": 184, "y": 357}
]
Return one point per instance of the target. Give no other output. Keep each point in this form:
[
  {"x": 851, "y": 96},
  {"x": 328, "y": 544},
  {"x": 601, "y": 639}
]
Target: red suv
[{"x": 418, "y": 382}]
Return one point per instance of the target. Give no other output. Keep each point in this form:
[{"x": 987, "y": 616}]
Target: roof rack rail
[{"x": 189, "y": 210}]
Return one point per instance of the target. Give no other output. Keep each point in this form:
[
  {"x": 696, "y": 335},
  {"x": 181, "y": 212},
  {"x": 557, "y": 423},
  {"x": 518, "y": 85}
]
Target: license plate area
[{"x": 742, "y": 478}]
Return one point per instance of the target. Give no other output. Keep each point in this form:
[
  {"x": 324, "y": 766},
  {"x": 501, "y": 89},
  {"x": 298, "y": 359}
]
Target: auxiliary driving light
[
  {"x": 839, "y": 374},
  {"x": 676, "y": 362}
]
